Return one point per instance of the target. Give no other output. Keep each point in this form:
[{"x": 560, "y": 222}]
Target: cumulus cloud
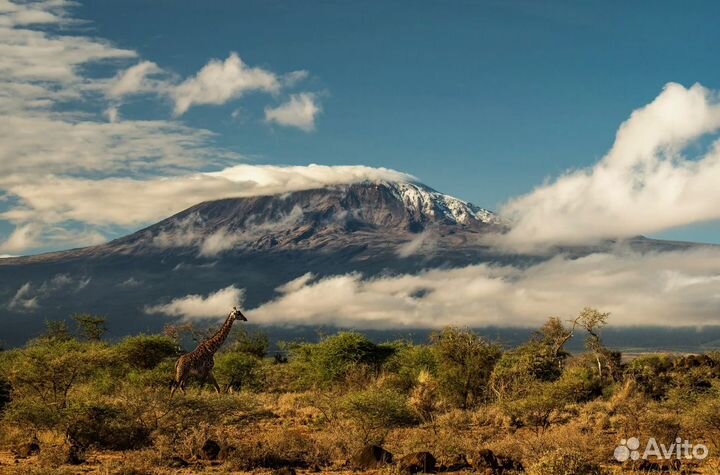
[
  {"x": 644, "y": 184},
  {"x": 219, "y": 81},
  {"x": 672, "y": 289},
  {"x": 215, "y": 305},
  {"x": 300, "y": 111},
  {"x": 134, "y": 80}
]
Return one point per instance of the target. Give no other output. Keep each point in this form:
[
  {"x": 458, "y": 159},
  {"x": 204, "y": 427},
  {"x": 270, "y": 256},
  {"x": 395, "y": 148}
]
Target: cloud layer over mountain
[{"x": 671, "y": 289}]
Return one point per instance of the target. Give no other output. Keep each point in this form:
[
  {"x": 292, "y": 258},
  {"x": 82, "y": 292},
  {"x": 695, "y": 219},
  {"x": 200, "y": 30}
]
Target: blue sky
[{"x": 481, "y": 100}]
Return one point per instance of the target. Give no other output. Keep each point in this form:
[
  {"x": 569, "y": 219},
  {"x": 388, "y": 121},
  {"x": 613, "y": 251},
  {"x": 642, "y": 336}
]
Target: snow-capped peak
[{"x": 422, "y": 199}]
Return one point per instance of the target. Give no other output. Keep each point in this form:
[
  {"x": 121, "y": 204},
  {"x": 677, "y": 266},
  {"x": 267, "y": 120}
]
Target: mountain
[
  {"x": 369, "y": 214},
  {"x": 256, "y": 243}
]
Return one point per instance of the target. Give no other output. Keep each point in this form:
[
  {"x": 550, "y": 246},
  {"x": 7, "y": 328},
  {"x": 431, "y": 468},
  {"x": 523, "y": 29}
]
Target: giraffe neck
[{"x": 214, "y": 342}]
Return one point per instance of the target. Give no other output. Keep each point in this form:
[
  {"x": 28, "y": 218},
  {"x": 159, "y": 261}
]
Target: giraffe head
[{"x": 236, "y": 314}]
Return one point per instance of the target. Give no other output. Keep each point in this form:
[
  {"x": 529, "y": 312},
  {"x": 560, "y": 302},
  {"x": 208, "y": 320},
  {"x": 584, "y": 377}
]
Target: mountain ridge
[{"x": 259, "y": 244}]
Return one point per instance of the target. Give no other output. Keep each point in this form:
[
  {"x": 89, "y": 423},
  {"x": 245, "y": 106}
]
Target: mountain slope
[{"x": 257, "y": 244}]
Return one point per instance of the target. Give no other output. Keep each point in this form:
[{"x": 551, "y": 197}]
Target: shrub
[
  {"x": 423, "y": 398},
  {"x": 146, "y": 351},
  {"x": 238, "y": 371},
  {"x": 32, "y": 413},
  {"x": 536, "y": 408},
  {"x": 579, "y": 383},
  {"x": 161, "y": 376},
  {"x": 277, "y": 448},
  {"x": 332, "y": 359},
  {"x": 48, "y": 370},
  {"x": 107, "y": 427},
  {"x": 564, "y": 462},
  {"x": 406, "y": 365},
  {"x": 90, "y": 327},
  {"x": 540, "y": 359},
  {"x": 4, "y": 393},
  {"x": 255, "y": 344},
  {"x": 376, "y": 411},
  {"x": 652, "y": 374},
  {"x": 464, "y": 364}
]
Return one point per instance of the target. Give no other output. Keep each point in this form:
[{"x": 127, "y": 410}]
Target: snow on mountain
[{"x": 438, "y": 205}]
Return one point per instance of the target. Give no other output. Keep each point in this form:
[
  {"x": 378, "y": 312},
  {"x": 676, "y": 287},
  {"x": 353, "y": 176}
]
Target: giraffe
[{"x": 201, "y": 360}]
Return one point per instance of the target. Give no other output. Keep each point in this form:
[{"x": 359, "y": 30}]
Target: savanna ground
[{"x": 72, "y": 403}]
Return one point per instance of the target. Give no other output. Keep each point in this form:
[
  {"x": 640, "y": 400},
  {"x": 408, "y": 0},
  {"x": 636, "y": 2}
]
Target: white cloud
[
  {"x": 23, "y": 237},
  {"x": 215, "y": 305},
  {"x": 190, "y": 232},
  {"x": 639, "y": 289},
  {"x": 292, "y": 78},
  {"x": 112, "y": 113},
  {"x": 23, "y": 299},
  {"x": 300, "y": 111},
  {"x": 218, "y": 242},
  {"x": 220, "y": 81},
  {"x": 31, "y": 55},
  {"x": 134, "y": 80},
  {"x": 28, "y": 296},
  {"x": 131, "y": 202},
  {"x": 130, "y": 282},
  {"x": 35, "y": 145},
  {"x": 426, "y": 240},
  {"x": 643, "y": 185},
  {"x": 271, "y": 179}
]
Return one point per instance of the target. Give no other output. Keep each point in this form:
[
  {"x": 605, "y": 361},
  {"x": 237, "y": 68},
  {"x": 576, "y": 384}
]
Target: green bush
[
  {"x": 540, "y": 359},
  {"x": 146, "y": 351},
  {"x": 540, "y": 402},
  {"x": 48, "y": 370},
  {"x": 404, "y": 367},
  {"x": 33, "y": 413},
  {"x": 238, "y": 371},
  {"x": 332, "y": 359},
  {"x": 90, "y": 327},
  {"x": 160, "y": 376},
  {"x": 464, "y": 364},
  {"x": 579, "y": 383},
  {"x": 255, "y": 344},
  {"x": 376, "y": 411}
]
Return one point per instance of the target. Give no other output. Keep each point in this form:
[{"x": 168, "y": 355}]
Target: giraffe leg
[
  {"x": 214, "y": 382},
  {"x": 180, "y": 376},
  {"x": 178, "y": 383}
]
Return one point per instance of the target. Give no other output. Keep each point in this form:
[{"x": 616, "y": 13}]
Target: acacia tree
[
  {"x": 593, "y": 321},
  {"x": 465, "y": 362},
  {"x": 44, "y": 374},
  {"x": 90, "y": 327},
  {"x": 541, "y": 359}
]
